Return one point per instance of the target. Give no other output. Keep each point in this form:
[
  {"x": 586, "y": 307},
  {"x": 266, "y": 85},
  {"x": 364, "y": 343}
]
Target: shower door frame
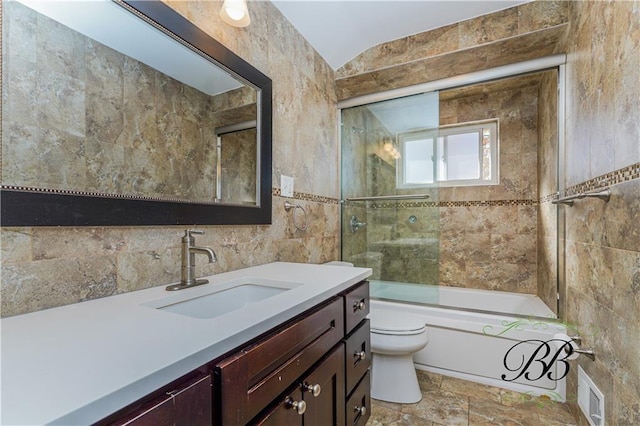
[{"x": 547, "y": 63}]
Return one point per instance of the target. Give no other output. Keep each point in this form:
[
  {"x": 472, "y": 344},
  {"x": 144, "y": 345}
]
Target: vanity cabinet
[{"x": 311, "y": 370}]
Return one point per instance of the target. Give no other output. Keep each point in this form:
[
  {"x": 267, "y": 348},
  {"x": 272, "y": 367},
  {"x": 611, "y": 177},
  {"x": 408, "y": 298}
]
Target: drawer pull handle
[
  {"x": 361, "y": 410},
  {"x": 298, "y": 406},
  {"x": 360, "y": 355},
  {"x": 359, "y": 306},
  {"x": 314, "y": 389}
]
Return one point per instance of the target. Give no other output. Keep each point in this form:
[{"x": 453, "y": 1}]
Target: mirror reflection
[{"x": 112, "y": 106}]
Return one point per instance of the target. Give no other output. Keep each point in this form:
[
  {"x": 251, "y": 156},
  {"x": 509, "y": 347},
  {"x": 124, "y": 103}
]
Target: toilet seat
[{"x": 395, "y": 323}]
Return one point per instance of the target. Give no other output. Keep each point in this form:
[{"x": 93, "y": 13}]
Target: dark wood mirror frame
[{"x": 28, "y": 208}]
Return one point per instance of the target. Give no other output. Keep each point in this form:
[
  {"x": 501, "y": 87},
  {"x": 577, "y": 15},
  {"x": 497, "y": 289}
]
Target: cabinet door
[
  {"x": 189, "y": 405},
  {"x": 285, "y": 413},
  {"x": 157, "y": 413},
  {"x": 193, "y": 403},
  {"x": 324, "y": 391}
]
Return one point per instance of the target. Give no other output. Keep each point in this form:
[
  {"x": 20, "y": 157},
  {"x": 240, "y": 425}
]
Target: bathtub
[{"x": 472, "y": 333}]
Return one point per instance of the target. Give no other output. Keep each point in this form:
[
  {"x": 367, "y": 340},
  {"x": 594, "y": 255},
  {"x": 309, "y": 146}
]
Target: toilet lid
[{"x": 385, "y": 321}]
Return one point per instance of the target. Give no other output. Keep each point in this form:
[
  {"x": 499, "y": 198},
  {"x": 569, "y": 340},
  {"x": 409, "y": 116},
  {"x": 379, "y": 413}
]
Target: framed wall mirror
[{"x": 122, "y": 113}]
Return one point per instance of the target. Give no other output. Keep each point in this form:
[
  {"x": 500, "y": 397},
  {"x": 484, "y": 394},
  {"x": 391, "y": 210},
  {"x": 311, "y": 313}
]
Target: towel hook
[{"x": 288, "y": 206}]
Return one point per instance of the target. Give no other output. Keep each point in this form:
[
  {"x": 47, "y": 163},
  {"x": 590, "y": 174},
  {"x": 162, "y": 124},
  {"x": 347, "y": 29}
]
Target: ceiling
[{"x": 342, "y": 29}]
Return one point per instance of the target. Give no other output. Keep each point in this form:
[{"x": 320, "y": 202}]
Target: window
[{"x": 459, "y": 155}]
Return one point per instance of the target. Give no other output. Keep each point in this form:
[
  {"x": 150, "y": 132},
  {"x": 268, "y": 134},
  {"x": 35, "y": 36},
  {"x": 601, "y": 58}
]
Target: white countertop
[{"x": 76, "y": 364}]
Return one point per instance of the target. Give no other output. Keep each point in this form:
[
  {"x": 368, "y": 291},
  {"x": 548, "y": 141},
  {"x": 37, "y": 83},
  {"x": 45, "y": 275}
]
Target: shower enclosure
[
  {"x": 382, "y": 221},
  {"x": 453, "y": 188}
]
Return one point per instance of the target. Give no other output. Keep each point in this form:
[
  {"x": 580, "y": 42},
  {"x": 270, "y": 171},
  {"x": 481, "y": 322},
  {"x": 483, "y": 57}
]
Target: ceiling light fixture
[{"x": 235, "y": 13}]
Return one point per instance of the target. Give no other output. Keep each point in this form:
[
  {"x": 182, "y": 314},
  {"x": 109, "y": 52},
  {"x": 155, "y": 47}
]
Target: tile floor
[{"x": 451, "y": 401}]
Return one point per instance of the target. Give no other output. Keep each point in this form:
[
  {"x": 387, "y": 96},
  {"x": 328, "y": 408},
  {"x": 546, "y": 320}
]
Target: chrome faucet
[
  {"x": 189, "y": 251},
  {"x": 355, "y": 224}
]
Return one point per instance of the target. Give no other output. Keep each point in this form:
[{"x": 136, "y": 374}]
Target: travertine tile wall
[
  {"x": 525, "y": 32},
  {"x": 48, "y": 267},
  {"x": 602, "y": 246},
  {"x": 493, "y": 247}
]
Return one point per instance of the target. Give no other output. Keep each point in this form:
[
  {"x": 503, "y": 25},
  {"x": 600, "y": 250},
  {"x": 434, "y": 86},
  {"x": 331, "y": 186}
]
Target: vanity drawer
[
  {"x": 356, "y": 305},
  {"x": 359, "y": 403},
  {"x": 358, "y": 355},
  {"x": 255, "y": 376}
]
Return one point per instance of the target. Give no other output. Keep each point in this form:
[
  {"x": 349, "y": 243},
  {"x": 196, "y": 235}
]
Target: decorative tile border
[
  {"x": 404, "y": 204},
  {"x": 487, "y": 203},
  {"x": 101, "y": 194},
  {"x": 549, "y": 198},
  {"x": 307, "y": 197},
  {"x": 625, "y": 174}
]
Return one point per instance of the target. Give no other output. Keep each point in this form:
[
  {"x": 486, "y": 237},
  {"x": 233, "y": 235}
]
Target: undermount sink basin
[{"x": 219, "y": 299}]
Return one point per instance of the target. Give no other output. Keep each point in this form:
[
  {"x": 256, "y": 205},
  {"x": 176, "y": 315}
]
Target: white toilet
[{"x": 395, "y": 336}]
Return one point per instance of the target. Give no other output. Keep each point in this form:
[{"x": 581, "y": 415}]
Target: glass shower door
[{"x": 390, "y": 219}]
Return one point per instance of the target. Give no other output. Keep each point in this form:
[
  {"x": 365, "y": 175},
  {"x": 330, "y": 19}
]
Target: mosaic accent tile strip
[
  {"x": 100, "y": 194},
  {"x": 481, "y": 203},
  {"x": 548, "y": 198},
  {"x": 488, "y": 203},
  {"x": 307, "y": 197},
  {"x": 406, "y": 204},
  {"x": 625, "y": 174}
]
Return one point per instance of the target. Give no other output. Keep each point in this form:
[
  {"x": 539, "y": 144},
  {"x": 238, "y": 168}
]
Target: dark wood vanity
[{"x": 311, "y": 370}]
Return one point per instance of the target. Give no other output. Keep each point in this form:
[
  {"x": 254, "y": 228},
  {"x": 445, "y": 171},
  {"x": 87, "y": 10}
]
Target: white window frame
[{"x": 459, "y": 128}]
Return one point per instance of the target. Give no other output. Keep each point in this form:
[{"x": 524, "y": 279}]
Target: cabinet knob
[
  {"x": 298, "y": 406},
  {"x": 361, "y": 410},
  {"x": 314, "y": 389},
  {"x": 359, "y": 306},
  {"x": 360, "y": 355}
]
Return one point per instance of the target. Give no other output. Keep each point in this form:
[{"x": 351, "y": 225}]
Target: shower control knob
[
  {"x": 361, "y": 410},
  {"x": 359, "y": 306},
  {"x": 298, "y": 406},
  {"x": 313, "y": 389},
  {"x": 360, "y": 355}
]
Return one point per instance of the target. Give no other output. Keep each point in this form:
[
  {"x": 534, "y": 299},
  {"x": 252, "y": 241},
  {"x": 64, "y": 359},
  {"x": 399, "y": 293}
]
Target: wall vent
[{"x": 590, "y": 399}]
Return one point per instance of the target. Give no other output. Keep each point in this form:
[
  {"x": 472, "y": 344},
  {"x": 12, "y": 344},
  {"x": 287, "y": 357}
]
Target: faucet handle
[{"x": 189, "y": 232}]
